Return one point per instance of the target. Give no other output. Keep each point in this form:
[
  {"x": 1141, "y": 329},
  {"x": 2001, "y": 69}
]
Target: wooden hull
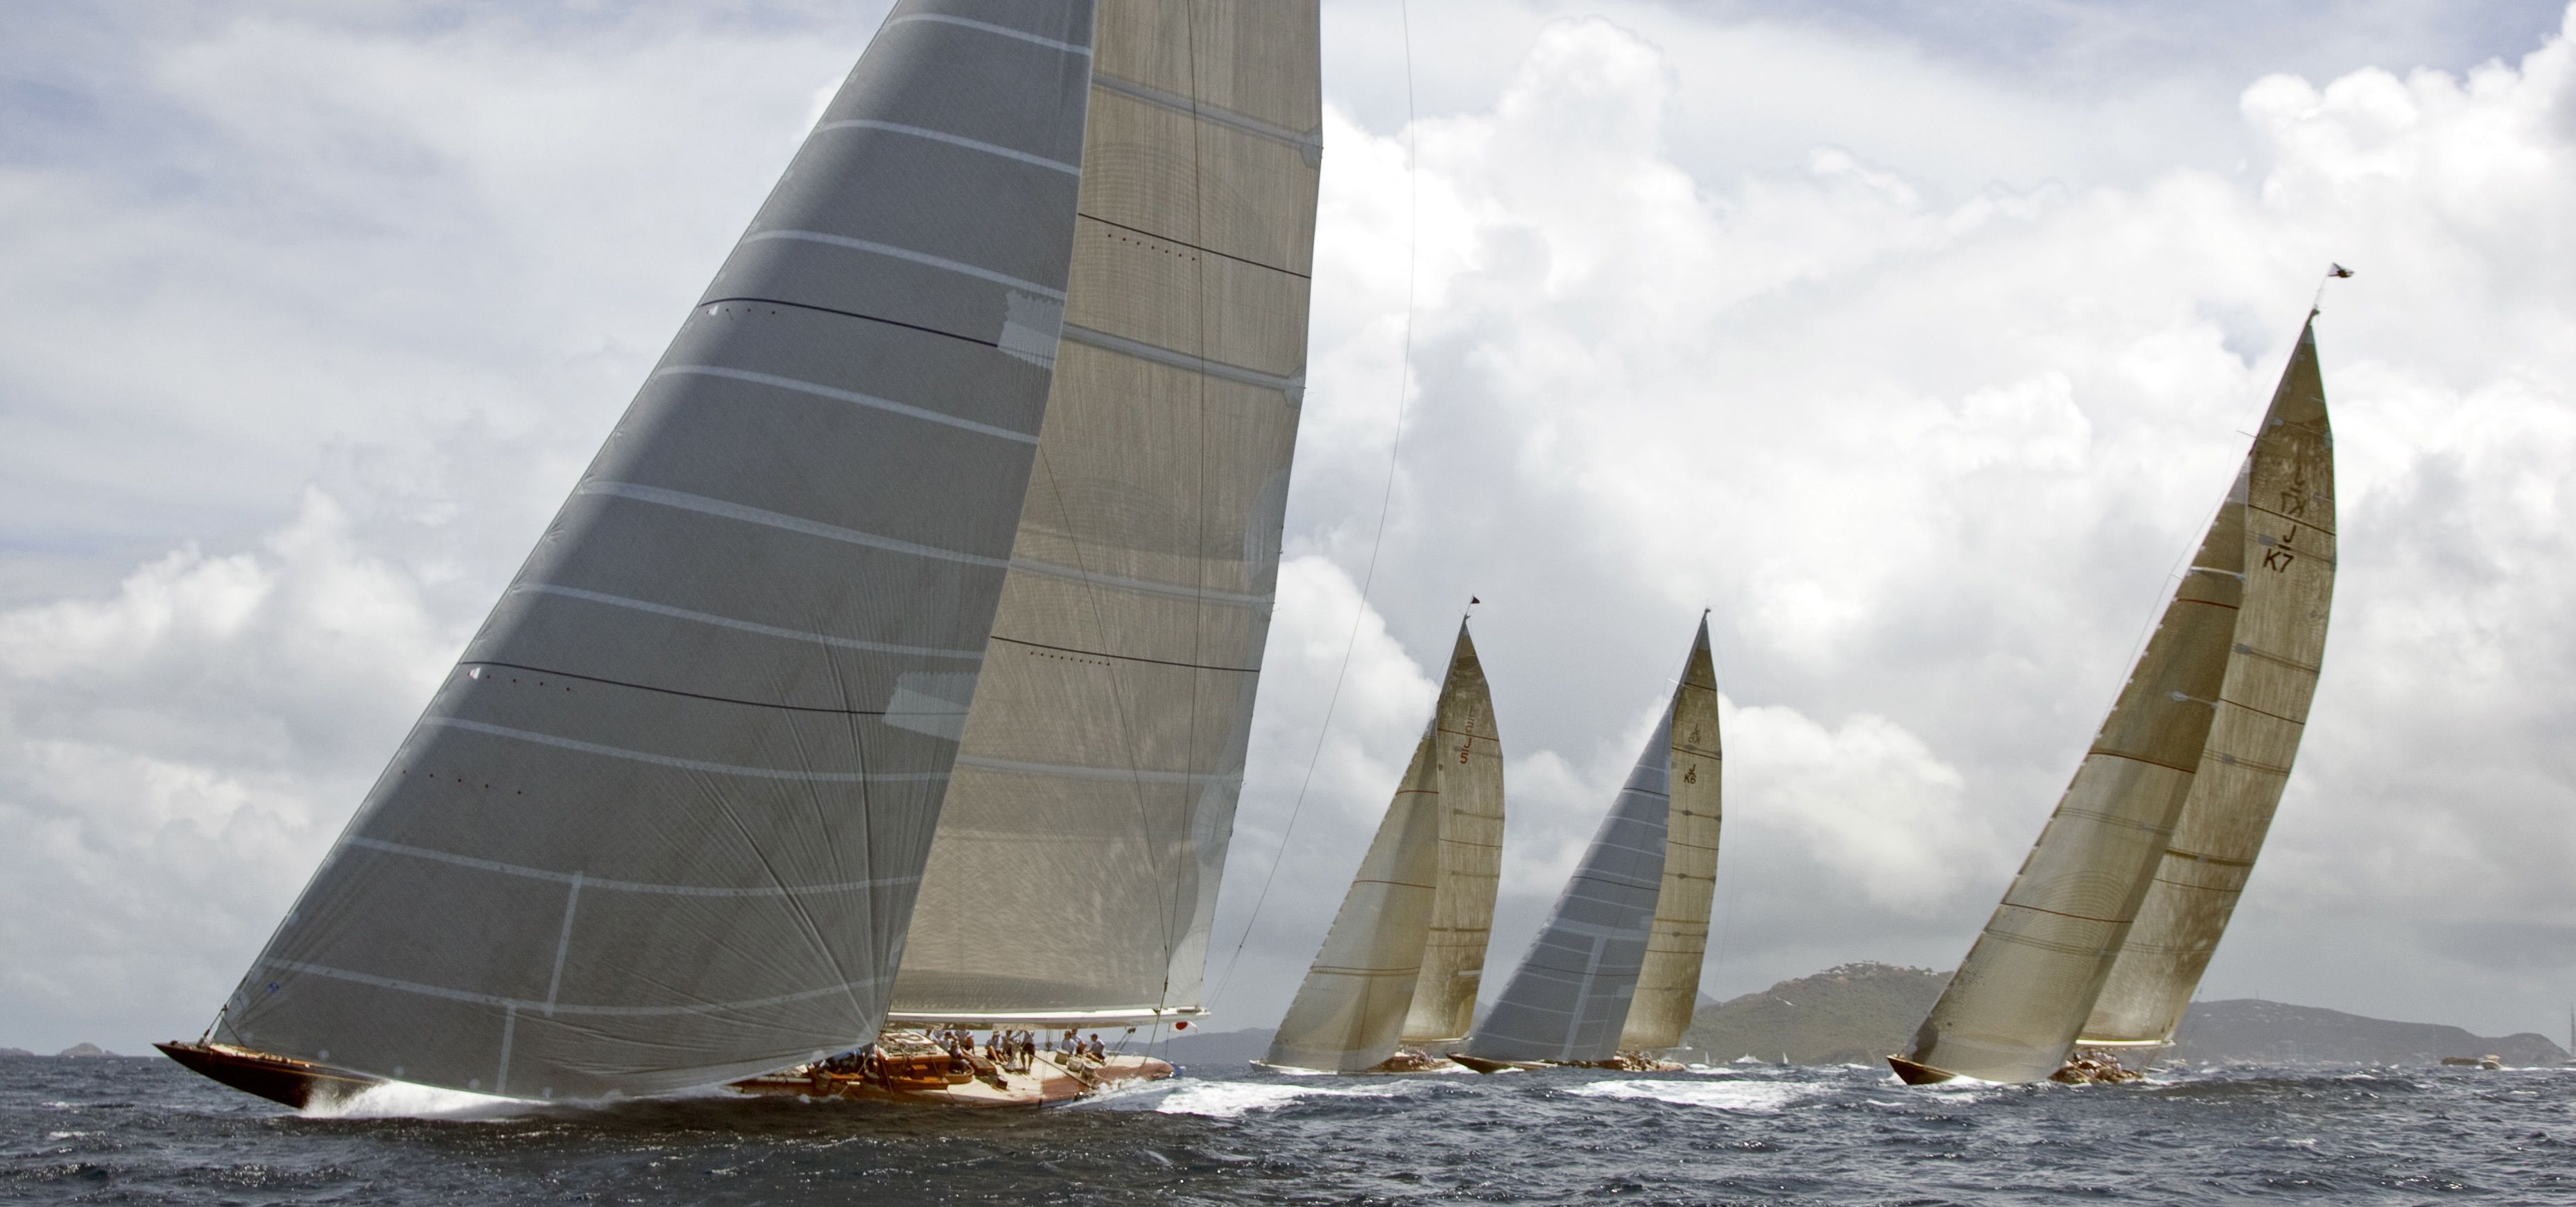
[
  {"x": 1918, "y": 1074},
  {"x": 279, "y": 1079},
  {"x": 1482, "y": 1065},
  {"x": 1050, "y": 1079}
]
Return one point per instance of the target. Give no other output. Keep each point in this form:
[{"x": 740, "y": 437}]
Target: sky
[{"x": 1915, "y": 343}]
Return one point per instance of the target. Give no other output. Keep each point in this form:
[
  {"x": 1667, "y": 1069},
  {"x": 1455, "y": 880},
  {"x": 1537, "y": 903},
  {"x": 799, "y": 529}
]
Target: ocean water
[{"x": 145, "y": 1131}]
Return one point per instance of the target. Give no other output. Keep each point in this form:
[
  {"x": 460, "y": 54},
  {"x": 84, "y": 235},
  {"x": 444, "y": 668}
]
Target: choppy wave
[{"x": 147, "y": 1131}]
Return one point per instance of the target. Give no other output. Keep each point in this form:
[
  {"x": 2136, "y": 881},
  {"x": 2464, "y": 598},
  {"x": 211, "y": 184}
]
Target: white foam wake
[
  {"x": 1232, "y": 1099},
  {"x": 403, "y": 1100},
  {"x": 1755, "y": 1097}
]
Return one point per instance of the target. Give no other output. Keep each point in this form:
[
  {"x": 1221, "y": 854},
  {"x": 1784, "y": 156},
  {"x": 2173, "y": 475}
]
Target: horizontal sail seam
[
  {"x": 2276, "y": 659},
  {"x": 747, "y": 626},
  {"x": 1294, "y": 387},
  {"x": 954, "y": 140},
  {"x": 2134, "y": 758},
  {"x": 924, "y": 259},
  {"x": 1207, "y": 112},
  {"x": 2216, "y": 860},
  {"x": 1589, "y": 930},
  {"x": 641, "y": 756},
  {"x": 2063, "y": 914},
  {"x": 853, "y": 314},
  {"x": 774, "y": 519},
  {"x": 672, "y": 691},
  {"x": 1066, "y": 649},
  {"x": 991, "y": 28},
  {"x": 1160, "y": 237},
  {"x": 2263, "y": 712},
  {"x": 2225, "y": 759},
  {"x": 535, "y": 1006},
  {"x": 1096, "y": 773},
  {"x": 592, "y": 884},
  {"x": 850, "y": 396},
  {"x": 2113, "y": 819},
  {"x": 1148, "y": 586},
  {"x": 2300, "y": 520}
]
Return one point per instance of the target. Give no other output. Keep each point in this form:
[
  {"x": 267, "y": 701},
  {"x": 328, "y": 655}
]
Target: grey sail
[
  {"x": 1568, "y": 1000},
  {"x": 2289, "y": 518},
  {"x": 1074, "y": 872},
  {"x": 1668, "y": 981},
  {"x": 663, "y": 824},
  {"x": 1350, "y": 1013}
]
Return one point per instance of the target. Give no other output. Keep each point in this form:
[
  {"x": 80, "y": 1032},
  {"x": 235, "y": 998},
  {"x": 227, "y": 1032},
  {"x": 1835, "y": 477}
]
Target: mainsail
[
  {"x": 981, "y": 433},
  {"x": 1389, "y": 969},
  {"x": 663, "y": 823},
  {"x": 2023, "y": 996},
  {"x": 2289, "y": 518},
  {"x": 1074, "y": 874},
  {"x": 1632, "y": 924}
]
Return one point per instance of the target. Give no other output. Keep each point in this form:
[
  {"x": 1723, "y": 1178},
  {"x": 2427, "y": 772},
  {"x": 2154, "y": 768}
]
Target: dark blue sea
[{"x": 141, "y": 1130}]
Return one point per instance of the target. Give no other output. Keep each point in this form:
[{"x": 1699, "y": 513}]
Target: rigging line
[{"x": 1386, "y": 499}]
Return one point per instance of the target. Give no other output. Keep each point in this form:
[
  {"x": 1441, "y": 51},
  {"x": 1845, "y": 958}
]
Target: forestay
[
  {"x": 1074, "y": 873},
  {"x": 1373, "y": 974},
  {"x": 662, "y": 825},
  {"x": 2280, "y": 637},
  {"x": 1571, "y": 997}
]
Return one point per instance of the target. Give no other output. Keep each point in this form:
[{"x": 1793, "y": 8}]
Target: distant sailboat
[
  {"x": 893, "y": 663},
  {"x": 1614, "y": 974},
  {"x": 2102, "y": 939},
  {"x": 1397, "y": 975}
]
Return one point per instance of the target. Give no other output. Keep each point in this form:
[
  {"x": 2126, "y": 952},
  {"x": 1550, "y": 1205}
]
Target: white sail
[
  {"x": 2029, "y": 985},
  {"x": 1469, "y": 750},
  {"x": 1571, "y": 997},
  {"x": 1074, "y": 873},
  {"x": 1668, "y": 981},
  {"x": 1352, "y": 1010},
  {"x": 663, "y": 824},
  {"x": 2280, "y": 641}
]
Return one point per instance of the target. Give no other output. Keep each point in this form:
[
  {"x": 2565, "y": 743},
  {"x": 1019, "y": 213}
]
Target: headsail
[
  {"x": 662, "y": 825},
  {"x": 1668, "y": 981},
  {"x": 2289, "y": 513},
  {"x": 1469, "y": 750},
  {"x": 2030, "y": 984},
  {"x": 1369, "y": 979},
  {"x": 1075, "y": 870},
  {"x": 1571, "y": 997}
]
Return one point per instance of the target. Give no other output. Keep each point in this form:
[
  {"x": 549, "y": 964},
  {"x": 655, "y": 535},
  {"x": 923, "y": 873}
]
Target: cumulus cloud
[{"x": 1918, "y": 353}]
